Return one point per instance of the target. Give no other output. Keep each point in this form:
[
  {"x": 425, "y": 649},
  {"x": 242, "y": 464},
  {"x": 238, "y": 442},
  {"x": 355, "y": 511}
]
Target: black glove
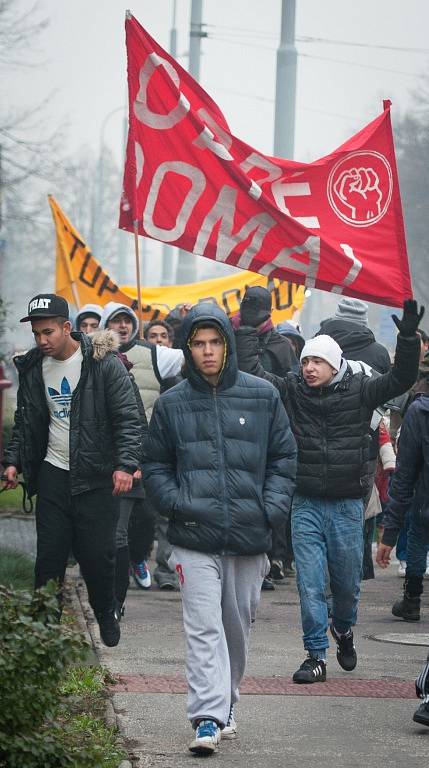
[
  {"x": 410, "y": 320},
  {"x": 255, "y": 307}
]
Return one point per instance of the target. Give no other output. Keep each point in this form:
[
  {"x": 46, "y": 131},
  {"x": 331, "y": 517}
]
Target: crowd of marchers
[{"x": 247, "y": 453}]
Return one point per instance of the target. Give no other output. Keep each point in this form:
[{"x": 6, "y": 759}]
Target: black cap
[{"x": 46, "y": 305}]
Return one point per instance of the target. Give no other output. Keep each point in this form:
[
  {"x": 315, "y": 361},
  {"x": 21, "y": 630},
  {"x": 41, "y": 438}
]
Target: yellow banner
[{"x": 81, "y": 280}]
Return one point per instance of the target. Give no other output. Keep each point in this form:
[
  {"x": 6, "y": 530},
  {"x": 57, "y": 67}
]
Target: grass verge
[
  {"x": 78, "y": 726},
  {"x": 82, "y": 715},
  {"x": 11, "y": 501},
  {"x": 16, "y": 569}
]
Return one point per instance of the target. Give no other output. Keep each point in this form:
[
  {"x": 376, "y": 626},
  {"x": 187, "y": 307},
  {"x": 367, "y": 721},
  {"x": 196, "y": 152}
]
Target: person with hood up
[
  {"x": 88, "y": 318},
  {"x": 330, "y": 408},
  {"x": 152, "y": 363},
  {"x": 220, "y": 464},
  {"x": 276, "y": 354},
  {"x": 153, "y": 366},
  {"x": 292, "y": 333}
]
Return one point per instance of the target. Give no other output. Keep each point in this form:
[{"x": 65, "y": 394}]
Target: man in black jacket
[
  {"x": 77, "y": 441},
  {"x": 349, "y": 328},
  {"x": 410, "y": 488},
  {"x": 330, "y": 410},
  {"x": 220, "y": 464}
]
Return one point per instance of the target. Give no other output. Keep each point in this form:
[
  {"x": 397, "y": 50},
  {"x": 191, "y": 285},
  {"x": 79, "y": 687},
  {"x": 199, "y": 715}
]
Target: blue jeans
[{"x": 327, "y": 534}]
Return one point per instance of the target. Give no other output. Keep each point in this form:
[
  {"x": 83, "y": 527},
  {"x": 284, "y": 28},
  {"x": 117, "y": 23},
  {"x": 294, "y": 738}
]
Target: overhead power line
[
  {"x": 323, "y": 58},
  {"x": 259, "y": 34}
]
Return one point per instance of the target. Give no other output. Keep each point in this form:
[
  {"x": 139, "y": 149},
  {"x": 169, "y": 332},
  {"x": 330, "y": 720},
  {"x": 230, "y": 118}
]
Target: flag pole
[{"x": 139, "y": 294}]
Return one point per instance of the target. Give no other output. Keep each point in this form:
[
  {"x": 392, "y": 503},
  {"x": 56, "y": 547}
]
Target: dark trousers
[
  {"x": 141, "y": 530},
  {"x": 282, "y": 543},
  {"x": 86, "y": 524}
]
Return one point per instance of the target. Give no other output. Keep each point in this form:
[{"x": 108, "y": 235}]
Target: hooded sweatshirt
[
  {"x": 95, "y": 310},
  {"x": 152, "y": 364}
]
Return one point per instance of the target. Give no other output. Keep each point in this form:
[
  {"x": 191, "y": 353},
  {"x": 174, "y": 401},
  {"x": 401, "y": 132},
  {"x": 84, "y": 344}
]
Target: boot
[{"x": 409, "y": 607}]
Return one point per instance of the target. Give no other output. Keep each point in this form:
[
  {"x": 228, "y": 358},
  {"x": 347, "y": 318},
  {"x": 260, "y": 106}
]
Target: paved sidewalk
[
  {"x": 363, "y": 718},
  {"x": 359, "y": 719}
]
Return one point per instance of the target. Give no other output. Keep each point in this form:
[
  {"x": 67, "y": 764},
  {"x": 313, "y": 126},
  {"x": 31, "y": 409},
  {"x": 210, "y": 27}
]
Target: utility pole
[
  {"x": 123, "y": 236},
  {"x": 186, "y": 271},
  {"x": 284, "y": 121},
  {"x": 167, "y": 250}
]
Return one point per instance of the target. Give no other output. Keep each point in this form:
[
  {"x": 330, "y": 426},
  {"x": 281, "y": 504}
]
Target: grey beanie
[{"x": 352, "y": 309}]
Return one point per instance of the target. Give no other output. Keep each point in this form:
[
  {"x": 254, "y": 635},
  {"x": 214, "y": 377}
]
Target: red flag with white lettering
[{"x": 334, "y": 224}]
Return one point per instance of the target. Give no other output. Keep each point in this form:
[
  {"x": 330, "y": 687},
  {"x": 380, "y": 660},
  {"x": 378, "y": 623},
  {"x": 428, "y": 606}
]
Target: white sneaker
[
  {"x": 230, "y": 730},
  {"x": 141, "y": 574},
  {"x": 207, "y": 738},
  {"x": 402, "y": 568},
  {"x": 426, "y": 573}
]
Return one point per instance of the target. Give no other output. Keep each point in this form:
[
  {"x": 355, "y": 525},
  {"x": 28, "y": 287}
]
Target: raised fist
[{"x": 359, "y": 190}]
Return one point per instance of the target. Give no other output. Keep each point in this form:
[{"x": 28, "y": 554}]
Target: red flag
[{"x": 334, "y": 224}]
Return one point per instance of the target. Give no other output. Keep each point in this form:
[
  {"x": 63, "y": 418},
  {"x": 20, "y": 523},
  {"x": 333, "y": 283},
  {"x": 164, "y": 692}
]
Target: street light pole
[
  {"x": 284, "y": 121},
  {"x": 97, "y": 230}
]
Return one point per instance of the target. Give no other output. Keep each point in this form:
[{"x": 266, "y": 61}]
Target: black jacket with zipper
[
  {"x": 105, "y": 426},
  {"x": 220, "y": 462},
  {"x": 332, "y": 424}
]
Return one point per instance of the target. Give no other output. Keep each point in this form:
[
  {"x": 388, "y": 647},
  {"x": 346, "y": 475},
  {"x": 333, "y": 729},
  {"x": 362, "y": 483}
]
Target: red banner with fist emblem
[{"x": 334, "y": 224}]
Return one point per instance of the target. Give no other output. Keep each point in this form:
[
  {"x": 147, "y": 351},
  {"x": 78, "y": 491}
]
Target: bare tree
[{"x": 412, "y": 143}]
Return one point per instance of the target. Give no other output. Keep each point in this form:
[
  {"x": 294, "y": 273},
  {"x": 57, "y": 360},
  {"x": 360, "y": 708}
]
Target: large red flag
[{"x": 334, "y": 224}]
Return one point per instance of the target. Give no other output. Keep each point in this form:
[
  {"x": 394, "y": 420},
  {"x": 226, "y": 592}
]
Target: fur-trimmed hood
[
  {"x": 97, "y": 345},
  {"x": 103, "y": 342}
]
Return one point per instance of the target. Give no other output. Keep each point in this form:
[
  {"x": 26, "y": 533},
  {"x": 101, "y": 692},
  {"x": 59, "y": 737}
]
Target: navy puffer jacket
[{"x": 220, "y": 462}]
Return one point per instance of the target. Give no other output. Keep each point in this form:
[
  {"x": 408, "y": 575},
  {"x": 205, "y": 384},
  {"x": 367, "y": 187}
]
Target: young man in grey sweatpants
[{"x": 220, "y": 463}]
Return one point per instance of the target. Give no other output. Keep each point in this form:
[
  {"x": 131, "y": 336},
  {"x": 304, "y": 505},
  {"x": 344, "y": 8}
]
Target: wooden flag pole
[{"x": 139, "y": 295}]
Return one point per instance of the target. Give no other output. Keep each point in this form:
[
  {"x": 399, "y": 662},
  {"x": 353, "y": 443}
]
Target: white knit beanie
[{"x": 325, "y": 347}]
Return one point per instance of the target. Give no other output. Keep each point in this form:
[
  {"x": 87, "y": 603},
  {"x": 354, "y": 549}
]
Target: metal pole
[
  {"x": 1, "y": 190},
  {"x": 186, "y": 271},
  {"x": 284, "y": 121},
  {"x": 122, "y": 236},
  {"x": 167, "y": 250},
  {"x": 98, "y": 213},
  {"x": 195, "y": 36},
  {"x": 138, "y": 280}
]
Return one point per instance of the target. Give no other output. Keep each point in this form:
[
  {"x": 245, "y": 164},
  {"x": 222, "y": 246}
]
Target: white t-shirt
[{"x": 60, "y": 378}]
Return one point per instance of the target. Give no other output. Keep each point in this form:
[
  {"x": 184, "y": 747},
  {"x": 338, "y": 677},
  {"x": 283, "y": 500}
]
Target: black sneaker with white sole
[
  {"x": 421, "y": 715},
  {"x": 110, "y": 631},
  {"x": 346, "y": 651},
  {"x": 312, "y": 670}
]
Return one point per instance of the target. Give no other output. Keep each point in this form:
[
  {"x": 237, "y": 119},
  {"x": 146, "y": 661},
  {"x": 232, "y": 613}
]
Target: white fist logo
[{"x": 360, "y": 193}]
